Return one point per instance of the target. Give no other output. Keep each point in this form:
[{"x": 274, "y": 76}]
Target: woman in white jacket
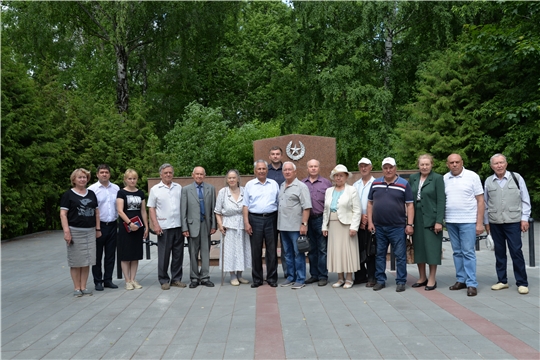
[{"x": 341, "y": 219}]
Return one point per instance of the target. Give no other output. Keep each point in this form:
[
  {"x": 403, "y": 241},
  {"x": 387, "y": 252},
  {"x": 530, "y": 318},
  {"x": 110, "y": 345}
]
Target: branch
[{"x": 105, "y": 35}]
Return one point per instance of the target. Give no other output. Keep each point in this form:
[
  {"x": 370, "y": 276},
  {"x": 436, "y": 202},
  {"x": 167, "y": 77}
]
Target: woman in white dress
[{"x": 235, "y": 246}]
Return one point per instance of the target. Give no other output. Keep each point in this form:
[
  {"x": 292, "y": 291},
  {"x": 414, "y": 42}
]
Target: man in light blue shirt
[{"x": 260, "y": 222}]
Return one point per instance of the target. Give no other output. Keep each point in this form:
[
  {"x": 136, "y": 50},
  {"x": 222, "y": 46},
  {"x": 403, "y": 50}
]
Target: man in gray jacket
[{"x": 508, "y": 208}]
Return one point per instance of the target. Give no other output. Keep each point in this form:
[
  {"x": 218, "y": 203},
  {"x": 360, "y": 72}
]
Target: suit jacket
[
  {"x": 433, "y": 197},
  {"x": 349, "y": 210},
  {"x": 191, "y": 210}
]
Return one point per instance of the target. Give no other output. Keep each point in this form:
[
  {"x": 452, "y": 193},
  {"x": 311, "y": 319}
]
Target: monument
[{"x": 299, "y": 149}]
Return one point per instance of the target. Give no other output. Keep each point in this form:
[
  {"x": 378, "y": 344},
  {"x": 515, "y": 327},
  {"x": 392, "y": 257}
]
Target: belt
[
  {"x": 264, "y": 215},
  {"x": 108, "y": 223},
  {"x": 315, "y": 216}
]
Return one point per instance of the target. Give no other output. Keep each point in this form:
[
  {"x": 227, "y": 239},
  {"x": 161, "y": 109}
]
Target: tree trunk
[{"x": 122, "y": 89}]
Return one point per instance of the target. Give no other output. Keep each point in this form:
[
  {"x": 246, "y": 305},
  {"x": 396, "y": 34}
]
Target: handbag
[
  {"x": 410, "y": 251},
  {"x": 371, "y": 248},
  {"x": 302, "y": 243}
]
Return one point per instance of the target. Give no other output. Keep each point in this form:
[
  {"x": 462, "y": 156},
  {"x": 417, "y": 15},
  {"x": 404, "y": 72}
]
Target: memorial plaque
[{"x": 299, "y": 149}]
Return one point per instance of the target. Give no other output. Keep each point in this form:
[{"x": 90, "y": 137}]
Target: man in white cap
[
  {"x": 388, "y": 198},
  {"x": 366, "y": 274}
]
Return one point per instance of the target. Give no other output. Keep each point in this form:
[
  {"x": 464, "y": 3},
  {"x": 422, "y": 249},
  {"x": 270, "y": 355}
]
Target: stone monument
[{"x": 299, "y": 149}]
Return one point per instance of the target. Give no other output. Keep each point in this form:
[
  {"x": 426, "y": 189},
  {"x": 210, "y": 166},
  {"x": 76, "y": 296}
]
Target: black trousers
[
  {"x": 171, "y": 242},
  {"x": 106, "y": 243},
  {"x": 367, "y": 267},
  {"x": 264, "y": 231}
]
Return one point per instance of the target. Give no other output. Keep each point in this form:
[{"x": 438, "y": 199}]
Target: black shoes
[
  {"x": 429, "y": 288},
  {"x": 378, "y": 287},
  {"x": 193, "y": 284},
  {"x": 272, "y": 284},
  {"x": 99, "y": 286},
  {"x": 400, "y": 287},
  {"x": 207, "y": 283},
  {"x": 417, "y": 285},
  {"x": 255, "y": 285},
  {"x": 110, "y": 284},
  {"x": 311, "y": 280}
]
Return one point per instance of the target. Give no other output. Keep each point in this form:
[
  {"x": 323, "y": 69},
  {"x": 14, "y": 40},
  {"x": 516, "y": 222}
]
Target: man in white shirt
[
  {"x": 164, "y": 208},
  {"x": 464, "y": 220},
  {"x": 106, "y": 194},
  {"x": 508, "y": 208}
]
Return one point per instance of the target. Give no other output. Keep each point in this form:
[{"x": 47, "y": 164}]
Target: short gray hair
[
  {"x": 237, "y": 177},
  {"x": 289, "y": 162},
  {"x": 166, "y": 165},
  {"x": 259, "y": 161},
  {"x": 497, "y": 155}
]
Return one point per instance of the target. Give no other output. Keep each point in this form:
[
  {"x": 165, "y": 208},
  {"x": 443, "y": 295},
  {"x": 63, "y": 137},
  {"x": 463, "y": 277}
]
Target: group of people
[{"x": 349, "y": 226}]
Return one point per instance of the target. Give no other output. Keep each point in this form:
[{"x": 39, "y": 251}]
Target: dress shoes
[
  {"x": 207, "y": 283},
  {"x": 110, "y": 284},
  {"x": 370, "y": 284},
  {"x": 417, "y": 285},
  {"x": 360, "y": 281},
  {"x": 99, "y": 286},
  {"x": 400, "y": 287},
  {"x": 323, "y": 282},
  {"x": 311, "y": 280},
  {"x": 458, "y": 286},
  {"x": 255, "y": 285},
  {"x": 272, "y": 284},
  {"x": 429, "y": 288},
  {"x": 471, "y": 291},
  {"x": 193, "y": 284}
]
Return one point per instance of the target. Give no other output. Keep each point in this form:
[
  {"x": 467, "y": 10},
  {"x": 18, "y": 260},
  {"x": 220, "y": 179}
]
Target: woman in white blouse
[{"x": 235, "y": 245}]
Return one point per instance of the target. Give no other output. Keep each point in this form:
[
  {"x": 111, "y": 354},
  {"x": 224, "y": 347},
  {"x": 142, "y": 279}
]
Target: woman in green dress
[{"x": 429, "y": 205}]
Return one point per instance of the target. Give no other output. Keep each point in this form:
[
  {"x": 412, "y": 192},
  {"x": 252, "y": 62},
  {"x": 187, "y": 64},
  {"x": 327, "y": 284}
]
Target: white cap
[
  {"x": 340, "y": 169},
  {"x": 364, "y": 161},
  {"x": 389, "y": 160}
]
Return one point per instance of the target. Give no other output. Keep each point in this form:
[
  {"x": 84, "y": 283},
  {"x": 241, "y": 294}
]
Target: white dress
[{"x": 235, "y": 246}]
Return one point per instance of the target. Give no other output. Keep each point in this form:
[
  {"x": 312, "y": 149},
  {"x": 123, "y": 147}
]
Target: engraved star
[{"x": 295, "y": 150}]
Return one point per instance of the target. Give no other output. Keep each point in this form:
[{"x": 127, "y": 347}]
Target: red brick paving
[{"x": 268, "y": 332}]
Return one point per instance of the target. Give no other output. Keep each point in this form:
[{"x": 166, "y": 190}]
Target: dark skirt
[
  {"x": 130, "y": 245},
  {"x": 427, "y": 244}
]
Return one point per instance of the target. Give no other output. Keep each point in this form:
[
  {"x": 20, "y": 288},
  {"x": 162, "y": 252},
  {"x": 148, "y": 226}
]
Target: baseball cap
[
  {"x": 364, "y": 161},
  {"x": 389, "y": 160}
]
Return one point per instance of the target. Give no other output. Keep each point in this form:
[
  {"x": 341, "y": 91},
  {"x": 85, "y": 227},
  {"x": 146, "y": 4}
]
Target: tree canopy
[{"x": 136, "y": 84}]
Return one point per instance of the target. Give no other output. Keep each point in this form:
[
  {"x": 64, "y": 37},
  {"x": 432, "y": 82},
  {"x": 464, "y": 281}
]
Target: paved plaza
[{"x": 42, "y": 320}]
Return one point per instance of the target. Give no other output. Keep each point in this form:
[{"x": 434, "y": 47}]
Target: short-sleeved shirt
[
  {"x": 293, "y": 200},
  {"x": 261, "y": 198},
  {"x": 81, "y": 209},
  {"x": 166, "y": 201},
  {"x": 461, "y": 191},
  {"x": 106, "y": 196},
  {"x": 317, "y": 191},
  {"x": 389, "y": 202},
  {"x": 276, "y": 174},
  {"x": 363, "y": 192}
]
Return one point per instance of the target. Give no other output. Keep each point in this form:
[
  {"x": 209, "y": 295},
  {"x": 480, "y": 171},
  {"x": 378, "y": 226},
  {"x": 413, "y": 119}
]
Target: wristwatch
[
  {"x": 305, "y": 224},
  {"x": 412, "y": 225}
]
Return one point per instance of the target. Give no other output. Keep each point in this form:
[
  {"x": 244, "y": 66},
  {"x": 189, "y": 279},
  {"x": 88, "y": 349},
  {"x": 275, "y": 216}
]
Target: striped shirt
[
  {"x": 389, "y": 202},
  {"x": 461, "y": 191}
]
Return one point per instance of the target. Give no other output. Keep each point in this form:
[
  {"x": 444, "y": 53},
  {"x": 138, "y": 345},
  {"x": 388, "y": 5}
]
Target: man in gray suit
[{"x": 199, "y": 223}]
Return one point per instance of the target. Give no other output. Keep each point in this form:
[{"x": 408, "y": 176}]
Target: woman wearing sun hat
[{"x": 341, "y": 219}]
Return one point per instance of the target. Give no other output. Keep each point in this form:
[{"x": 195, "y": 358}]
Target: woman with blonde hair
[
  {"x": 429, "y": 206},
  {"x": 132, "y": 227},
  {"x": 341, "y": 219},
  {"x": 79, "y": 215}
]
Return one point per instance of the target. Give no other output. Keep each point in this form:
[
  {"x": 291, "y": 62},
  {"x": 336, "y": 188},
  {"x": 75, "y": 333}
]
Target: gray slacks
[{"x": 200, "y": 244}]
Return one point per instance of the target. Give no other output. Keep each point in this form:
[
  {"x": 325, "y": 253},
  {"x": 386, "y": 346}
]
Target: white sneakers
[
  {"x": 499, "y": 286},
  {"x": 521, "y": 289}
]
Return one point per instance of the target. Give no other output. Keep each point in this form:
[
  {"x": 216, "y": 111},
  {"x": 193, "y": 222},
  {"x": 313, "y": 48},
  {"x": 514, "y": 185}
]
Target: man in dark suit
[{"x": 199, "y": 223}]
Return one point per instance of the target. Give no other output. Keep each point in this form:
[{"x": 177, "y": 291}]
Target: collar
[
  {"x": 505, "y": 176},
  {"x": 161, "y": 184},
  {"x": 458, "y": 175}
]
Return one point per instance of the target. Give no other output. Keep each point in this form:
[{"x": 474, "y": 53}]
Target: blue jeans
[
  {"x": 511, "y": 234},
  {"x": 463, "y": 240},
  {"x": 317, "y": 249},
  {"x": 396, "y": 236},
  {"x": 296, "y": 261}
]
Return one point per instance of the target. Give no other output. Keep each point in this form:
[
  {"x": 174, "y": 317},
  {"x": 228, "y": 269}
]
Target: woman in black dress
[
  {"x": 79, "y": 215},
  {"x": 131, "y": 208}
]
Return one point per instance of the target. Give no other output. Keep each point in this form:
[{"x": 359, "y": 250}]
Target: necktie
[{"x": 201, "y": 201}]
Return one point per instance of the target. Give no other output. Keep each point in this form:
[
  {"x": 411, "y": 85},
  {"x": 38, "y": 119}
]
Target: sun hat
[{"x": 340, "y": 169}]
